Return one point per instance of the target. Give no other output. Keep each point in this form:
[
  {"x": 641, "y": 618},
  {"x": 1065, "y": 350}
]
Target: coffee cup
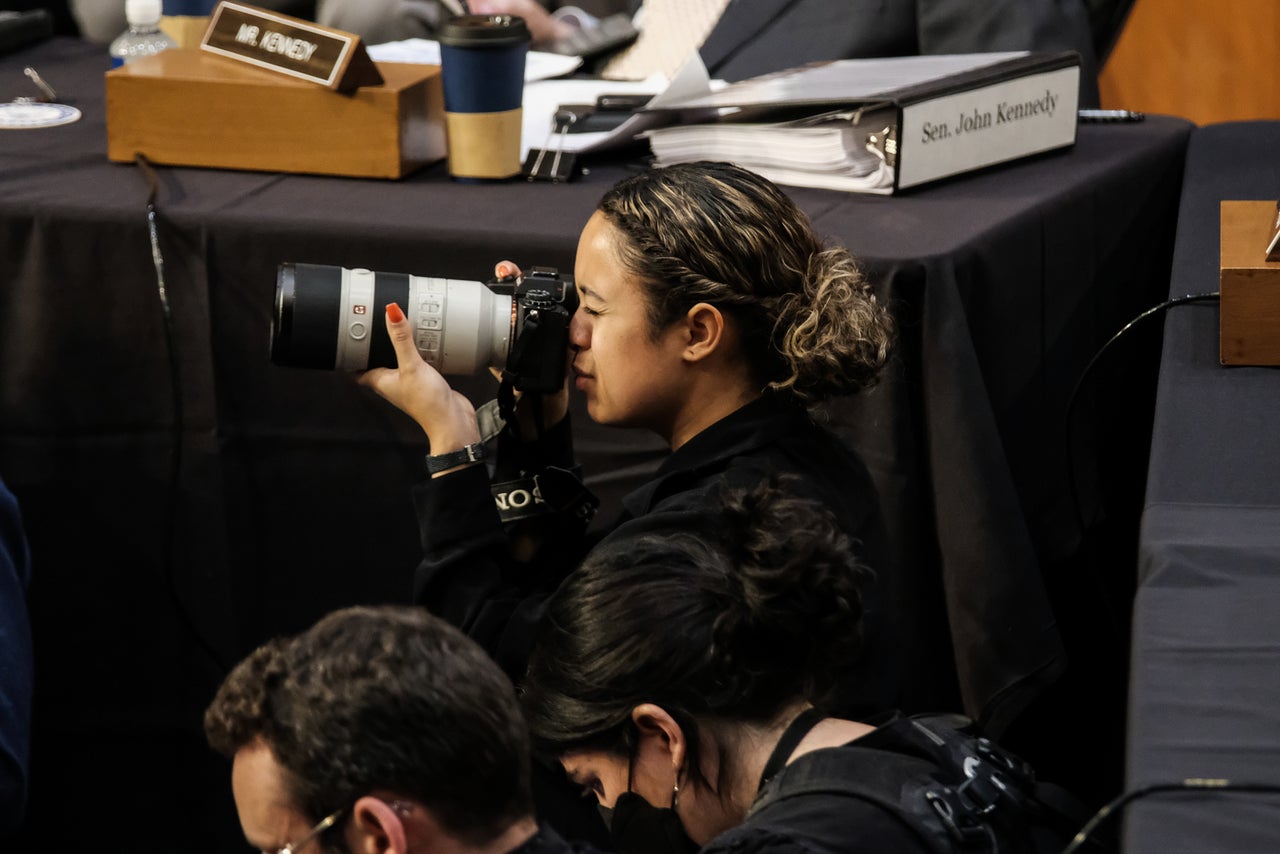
[{"x": 482, "y": 70}]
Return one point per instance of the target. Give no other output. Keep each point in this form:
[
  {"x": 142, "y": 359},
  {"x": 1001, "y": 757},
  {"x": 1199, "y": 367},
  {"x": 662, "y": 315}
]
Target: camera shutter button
[{"x": 358, "y": 330}]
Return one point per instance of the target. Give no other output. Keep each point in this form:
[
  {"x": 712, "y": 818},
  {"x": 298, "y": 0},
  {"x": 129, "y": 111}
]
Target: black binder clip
[{"x": 562, "y": 165}]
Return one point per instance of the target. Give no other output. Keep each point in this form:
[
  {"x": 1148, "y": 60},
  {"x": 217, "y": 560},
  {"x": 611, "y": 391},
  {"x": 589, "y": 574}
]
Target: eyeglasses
[{"x": 323, "y": 825}]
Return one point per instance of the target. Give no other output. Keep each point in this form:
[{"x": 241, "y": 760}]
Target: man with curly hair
[{"x": 378, "y": 729}]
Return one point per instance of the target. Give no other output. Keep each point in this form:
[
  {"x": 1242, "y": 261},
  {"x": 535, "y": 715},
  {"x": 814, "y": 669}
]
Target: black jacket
[
  {"x": 928, "y": 783},
  {"x": 468, "y": 576},
  {"x": 829, "y": 822}
]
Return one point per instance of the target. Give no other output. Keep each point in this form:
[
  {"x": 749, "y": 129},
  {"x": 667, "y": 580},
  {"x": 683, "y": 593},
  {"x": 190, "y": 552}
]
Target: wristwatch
[{"x": 473, "y": 453}]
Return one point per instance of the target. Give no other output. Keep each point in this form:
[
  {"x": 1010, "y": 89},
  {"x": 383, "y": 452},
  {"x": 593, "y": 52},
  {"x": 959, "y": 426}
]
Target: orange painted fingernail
[
  {"x": 394, "y": 314},
  {"x": 503, "y": 271}
]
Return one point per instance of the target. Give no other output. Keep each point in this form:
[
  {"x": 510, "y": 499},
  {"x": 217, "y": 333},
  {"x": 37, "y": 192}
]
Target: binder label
[{"x": 980, "y": 127}]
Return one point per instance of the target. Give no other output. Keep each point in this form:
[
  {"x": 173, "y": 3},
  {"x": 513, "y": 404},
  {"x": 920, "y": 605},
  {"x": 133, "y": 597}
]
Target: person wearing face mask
[
  {"x": 683, "y": 682},
  {"x": 711, "y": 314}
]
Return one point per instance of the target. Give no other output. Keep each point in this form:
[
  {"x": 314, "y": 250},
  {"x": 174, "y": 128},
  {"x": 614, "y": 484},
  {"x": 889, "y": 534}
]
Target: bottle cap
[{"x": 143, "y": 12}]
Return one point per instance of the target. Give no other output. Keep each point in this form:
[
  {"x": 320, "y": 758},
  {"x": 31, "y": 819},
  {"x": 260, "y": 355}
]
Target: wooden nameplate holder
[
  {"x": 291, "y": 46},
  {"x": 272, "y": 93},
  {"x": 1249, "y": 318}
]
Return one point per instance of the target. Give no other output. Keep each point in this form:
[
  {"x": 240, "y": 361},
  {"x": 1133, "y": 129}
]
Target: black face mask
[{"x": 638, "y": 827}]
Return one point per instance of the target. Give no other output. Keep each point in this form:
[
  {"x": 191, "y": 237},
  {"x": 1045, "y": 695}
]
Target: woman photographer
[
  {"x": 680, "y": 681},
  {"x": 711, "y": 314}
]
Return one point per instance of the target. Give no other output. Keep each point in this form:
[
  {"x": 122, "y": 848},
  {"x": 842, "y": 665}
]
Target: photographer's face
[{"x": 630, "y": 376}]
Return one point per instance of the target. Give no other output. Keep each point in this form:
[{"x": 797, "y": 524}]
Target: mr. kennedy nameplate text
[{"x": 288, "y": 45}]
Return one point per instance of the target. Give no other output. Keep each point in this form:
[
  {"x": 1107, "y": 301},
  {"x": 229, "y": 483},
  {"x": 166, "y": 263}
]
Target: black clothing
[
  {"x": 468, "y": 577},
  {"x": 547, "y": 841},
  {"x": 927, "y": 783},
  {"x": 826, "y": 822}
]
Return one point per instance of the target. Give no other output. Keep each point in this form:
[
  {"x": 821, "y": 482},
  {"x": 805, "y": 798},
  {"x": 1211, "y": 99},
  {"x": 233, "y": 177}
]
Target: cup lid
[{"x": 483, "y": 31}]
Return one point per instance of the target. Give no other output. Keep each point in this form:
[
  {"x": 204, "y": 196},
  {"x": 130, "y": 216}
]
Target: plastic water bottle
[{"x": 143, "y": 37}]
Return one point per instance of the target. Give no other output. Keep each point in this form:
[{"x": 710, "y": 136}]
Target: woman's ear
[
  {"x": 705, "y": 328},
  {"x": 376, "y": 828},
  {"x": 659, "y": 734}
]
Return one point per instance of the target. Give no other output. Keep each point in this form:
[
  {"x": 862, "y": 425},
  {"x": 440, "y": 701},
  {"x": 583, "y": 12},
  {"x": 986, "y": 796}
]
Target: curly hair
[
  {"x": 389, "y": 698},
  {"x": 717, "y": 233},
  {"x": 737, "y": 626}
]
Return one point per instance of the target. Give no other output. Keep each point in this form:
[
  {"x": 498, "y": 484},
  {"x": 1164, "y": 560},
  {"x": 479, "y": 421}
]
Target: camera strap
[
  {"x": 490, "y": 421},
  {"x": 507, "y": 388},
  {"x": 507, "y": 397},
  {"x": 552, "y": 491}
]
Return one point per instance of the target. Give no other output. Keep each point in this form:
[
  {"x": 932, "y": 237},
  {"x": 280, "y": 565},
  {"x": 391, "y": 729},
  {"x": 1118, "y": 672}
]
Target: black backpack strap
[
  {"x": 957, "y": 791},
  {"x": 996, "y": 781},
  {"x": 843, "y": 772}
]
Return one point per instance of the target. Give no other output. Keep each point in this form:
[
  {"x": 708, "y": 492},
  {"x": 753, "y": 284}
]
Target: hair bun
[
  {"x": 836, "y": 336},
  {"x": 793, "y": 608}
]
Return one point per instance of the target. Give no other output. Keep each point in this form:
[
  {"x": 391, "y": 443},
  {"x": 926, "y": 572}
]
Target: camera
[{"x": 332, "y": 318}]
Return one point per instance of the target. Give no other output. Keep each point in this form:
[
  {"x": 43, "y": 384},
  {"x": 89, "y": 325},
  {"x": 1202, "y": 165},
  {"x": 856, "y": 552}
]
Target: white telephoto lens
[
  {"x": 460, "y": 327},
  {"x": 357, "y": 310}
]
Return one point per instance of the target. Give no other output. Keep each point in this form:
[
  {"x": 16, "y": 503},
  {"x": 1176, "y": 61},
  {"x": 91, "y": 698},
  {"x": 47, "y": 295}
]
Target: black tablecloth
[
  {"x": 1205, "y": 694},
  {"x": 293, "y": 495}
]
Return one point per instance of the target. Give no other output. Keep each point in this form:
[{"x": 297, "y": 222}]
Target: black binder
[{"x": 885, "y": 125}]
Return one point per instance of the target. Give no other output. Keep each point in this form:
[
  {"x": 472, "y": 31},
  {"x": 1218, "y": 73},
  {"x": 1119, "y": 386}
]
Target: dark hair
[
  {"x": 735, "y": 625},
  {"x": 383, "y": 698},
  {"x": 716, "y": 233}
]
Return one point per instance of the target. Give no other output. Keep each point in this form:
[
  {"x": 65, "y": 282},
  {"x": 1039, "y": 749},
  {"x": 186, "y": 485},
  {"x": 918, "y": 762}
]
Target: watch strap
[{"x": 472, "y": 453}]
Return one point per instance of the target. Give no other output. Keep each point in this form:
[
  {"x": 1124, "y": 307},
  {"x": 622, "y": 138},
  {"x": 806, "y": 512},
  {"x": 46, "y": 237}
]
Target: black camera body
[
  {"x": 545, "y": 302},
  {"x": 331, "y": 318}
]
